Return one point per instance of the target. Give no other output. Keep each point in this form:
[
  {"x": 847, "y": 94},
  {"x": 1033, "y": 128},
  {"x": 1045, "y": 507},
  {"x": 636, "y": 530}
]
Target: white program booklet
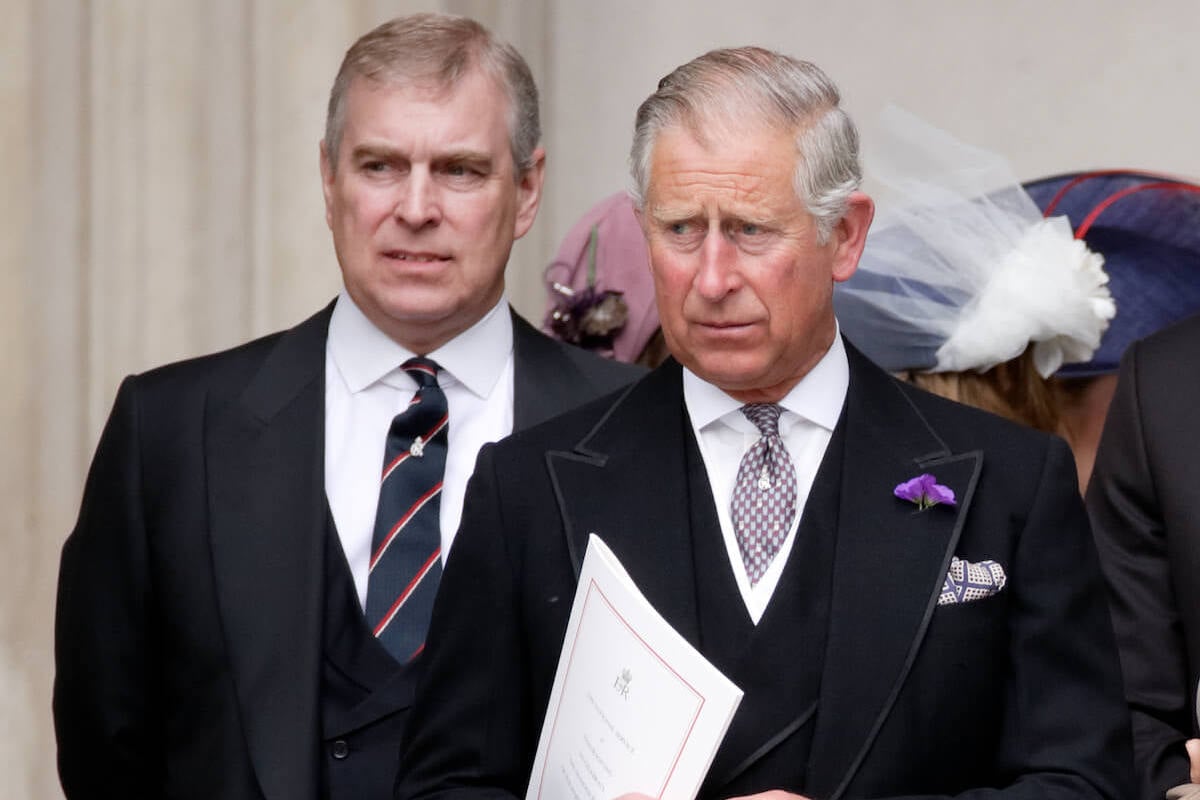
[{"x": 634, "y": 707}]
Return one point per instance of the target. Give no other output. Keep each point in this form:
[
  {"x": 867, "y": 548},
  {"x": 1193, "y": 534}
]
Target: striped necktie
[{"x": 406, "y": 549}]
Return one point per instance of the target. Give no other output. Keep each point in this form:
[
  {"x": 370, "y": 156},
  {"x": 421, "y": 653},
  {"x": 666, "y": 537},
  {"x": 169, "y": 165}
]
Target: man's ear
[
  {"x": 529, "y": 193},
  {"x": 327, "y": 182},
  {"x": 850, "y": 235}
]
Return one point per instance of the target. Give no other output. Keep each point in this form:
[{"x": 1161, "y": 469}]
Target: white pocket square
[{"x": 968, "y": 580}]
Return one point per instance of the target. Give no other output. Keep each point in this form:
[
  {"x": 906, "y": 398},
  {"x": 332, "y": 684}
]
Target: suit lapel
[
  {"x": 268, "y": 522},
  {"x": 889, "y": 565},
  {"x": 626, "y": 481},
  {"x": 537, "y": 376}
]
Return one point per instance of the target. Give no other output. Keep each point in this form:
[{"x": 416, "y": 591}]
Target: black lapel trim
[
  {"x": 975, "y": 458},
  {"x": 582, "y": 454},
  {"x": 769, "y": 745},
  {"x": 623, "y": 456},
  {"x": 889, "y": 563}
]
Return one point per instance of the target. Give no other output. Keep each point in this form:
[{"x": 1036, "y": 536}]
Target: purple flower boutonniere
[{"x": 925, "y": 492}]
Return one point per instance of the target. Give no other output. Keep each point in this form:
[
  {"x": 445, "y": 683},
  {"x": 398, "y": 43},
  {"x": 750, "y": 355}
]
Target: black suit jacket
[
  {"x": 188, "y": 634},
  {"x": 1019, "y": 692},
  {"x": 1144, "y": 501}
]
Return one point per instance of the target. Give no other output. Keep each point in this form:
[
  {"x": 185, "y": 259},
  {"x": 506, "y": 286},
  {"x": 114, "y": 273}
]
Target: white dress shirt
[
  {"x": 810, "y": 412},
  {"x": 365, "y": 388}
]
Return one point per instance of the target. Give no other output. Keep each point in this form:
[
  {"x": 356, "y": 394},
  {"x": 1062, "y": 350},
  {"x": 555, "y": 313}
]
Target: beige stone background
[{"x": 159, "y": 194}]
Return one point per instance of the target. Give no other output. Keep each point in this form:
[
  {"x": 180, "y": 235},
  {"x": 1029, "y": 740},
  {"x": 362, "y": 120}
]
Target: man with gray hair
[
  {"x": 904, "y": 588},
  {"x": 243, "y": 601}
]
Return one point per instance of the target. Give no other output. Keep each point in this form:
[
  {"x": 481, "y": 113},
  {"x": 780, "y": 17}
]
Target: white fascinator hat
[{"x": 961, "y": 271}]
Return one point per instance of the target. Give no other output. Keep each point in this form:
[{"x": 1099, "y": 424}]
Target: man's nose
[
  {"x": 717, "y": 275},
  {"x": 419, "y": 204}
]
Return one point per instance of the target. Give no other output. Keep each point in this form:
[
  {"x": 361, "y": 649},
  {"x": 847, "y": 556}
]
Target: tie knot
[
  {"x": 765, "y": 417},
  {"x": 423, "y": 370}
]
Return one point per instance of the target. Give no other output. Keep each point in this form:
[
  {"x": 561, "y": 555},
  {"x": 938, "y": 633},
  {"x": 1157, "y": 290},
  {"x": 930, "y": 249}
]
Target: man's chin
[
  {"x": 422, "y": 323},
  {"x": 730, "y": 375}
]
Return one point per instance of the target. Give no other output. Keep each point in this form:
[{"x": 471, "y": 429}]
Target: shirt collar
[
  {"x": 366, "y": 355},
  {"x": 818, "y": 397}
]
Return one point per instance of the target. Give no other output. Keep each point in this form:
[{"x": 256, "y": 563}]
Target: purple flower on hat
[
  {"x": 925, "y": 491},
  {"x": 588, "y": 317}
]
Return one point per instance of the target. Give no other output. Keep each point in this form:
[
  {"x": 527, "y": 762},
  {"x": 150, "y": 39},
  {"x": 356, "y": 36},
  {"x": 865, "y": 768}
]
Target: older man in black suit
[
  {"x": 243, "y": 600},
  {"x": 895, "y": 635},
  {"x": 1144, "y": 501}
]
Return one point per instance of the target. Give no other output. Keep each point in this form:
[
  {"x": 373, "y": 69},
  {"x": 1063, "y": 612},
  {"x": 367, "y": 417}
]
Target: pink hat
[{"x": 586, "y": 292}]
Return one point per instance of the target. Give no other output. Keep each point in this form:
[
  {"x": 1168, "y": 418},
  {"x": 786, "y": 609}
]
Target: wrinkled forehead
[
  {"x": 715, "y": 130},
  {"x": 737, "y": 162},
  {"x": 436, "y": 65},
  {"x": 432, "y": 86}
]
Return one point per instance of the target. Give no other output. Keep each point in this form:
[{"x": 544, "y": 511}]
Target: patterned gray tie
[{"x": 764, "y": 495}]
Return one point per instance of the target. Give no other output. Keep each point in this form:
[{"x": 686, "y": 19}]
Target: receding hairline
[
  {"x": 439, "y": 51},
  {"x": 431, "y": 87},
  {"x": 707, "y": 126}
]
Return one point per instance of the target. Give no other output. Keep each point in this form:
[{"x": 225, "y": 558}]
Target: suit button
[{"x": 340, "y": 749}]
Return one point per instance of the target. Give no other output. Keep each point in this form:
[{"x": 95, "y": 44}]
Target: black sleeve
[
  {"x": 1132, "y": 541},
  {"x": 105, "y": 712}
]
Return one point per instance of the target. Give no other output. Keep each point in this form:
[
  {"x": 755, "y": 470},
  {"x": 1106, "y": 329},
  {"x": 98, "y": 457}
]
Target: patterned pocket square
[{"x": 966, "y": 581}]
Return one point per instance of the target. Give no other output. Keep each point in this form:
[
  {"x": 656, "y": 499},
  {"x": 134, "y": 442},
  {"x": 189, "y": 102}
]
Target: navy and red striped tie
[{"x": 406, "y": 564}]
